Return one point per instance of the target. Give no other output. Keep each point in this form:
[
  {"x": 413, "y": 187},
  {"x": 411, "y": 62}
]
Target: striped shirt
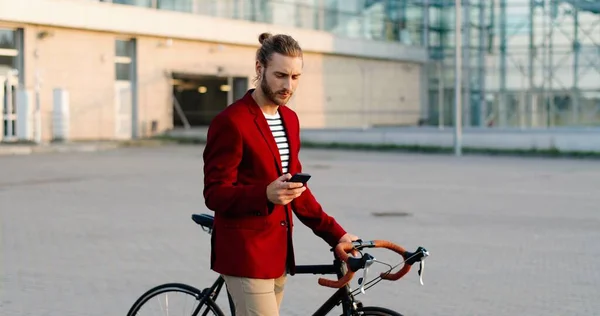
[{"x": 280, "y": 136}]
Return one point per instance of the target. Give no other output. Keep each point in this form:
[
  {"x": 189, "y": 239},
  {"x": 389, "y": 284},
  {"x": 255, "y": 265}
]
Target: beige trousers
[{"x": 256, "y": 297}]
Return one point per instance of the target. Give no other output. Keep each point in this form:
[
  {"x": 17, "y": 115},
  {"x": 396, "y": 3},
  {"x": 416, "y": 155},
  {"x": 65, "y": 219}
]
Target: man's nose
[{"x": 288, "y": 84}]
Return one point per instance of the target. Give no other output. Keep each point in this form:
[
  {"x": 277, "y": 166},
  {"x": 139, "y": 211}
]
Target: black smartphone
[{"x": 300, "y": 177}]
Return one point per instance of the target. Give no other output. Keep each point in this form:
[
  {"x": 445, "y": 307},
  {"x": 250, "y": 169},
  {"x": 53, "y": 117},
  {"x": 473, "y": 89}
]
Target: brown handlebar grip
[
  {"x": 397, "y": 275},
  {"x": 398, "y": 249},
  {"x": 341, "y": 250},
  {"x": 390, "y": 245},
  {"x": 337, "y": 283}
]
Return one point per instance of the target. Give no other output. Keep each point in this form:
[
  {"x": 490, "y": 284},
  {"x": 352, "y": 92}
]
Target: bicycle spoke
[{"x": 170, "y": 304}]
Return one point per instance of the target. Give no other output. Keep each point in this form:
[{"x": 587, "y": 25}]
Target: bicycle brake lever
[
  {"x": 363, "y": 280},
  {"x": 421, "y": 269},
  {"x": 425, "y": 254}
]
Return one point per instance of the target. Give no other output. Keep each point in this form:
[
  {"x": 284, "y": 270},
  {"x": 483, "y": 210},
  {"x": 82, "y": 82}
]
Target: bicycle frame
[{"x": 342, "y": 295}]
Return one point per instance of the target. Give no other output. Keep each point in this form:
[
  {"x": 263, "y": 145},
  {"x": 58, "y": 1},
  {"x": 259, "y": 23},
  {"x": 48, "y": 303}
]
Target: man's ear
[{"x": 258, "y": 69}]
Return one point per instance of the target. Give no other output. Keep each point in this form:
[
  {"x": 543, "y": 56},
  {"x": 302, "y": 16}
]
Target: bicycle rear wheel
[
  {"x": 376, "y": 311},
  {"x": 168, "y": 299}
]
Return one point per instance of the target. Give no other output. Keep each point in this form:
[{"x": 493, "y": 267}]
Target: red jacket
[{"x": 253, "y": 237}]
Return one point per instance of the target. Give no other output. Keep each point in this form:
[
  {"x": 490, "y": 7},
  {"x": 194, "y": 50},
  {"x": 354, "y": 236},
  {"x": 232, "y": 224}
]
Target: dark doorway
[{"x": 201, "y": 97}]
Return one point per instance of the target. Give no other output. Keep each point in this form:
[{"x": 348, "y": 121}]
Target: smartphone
[{"x": 300, "y": 177}]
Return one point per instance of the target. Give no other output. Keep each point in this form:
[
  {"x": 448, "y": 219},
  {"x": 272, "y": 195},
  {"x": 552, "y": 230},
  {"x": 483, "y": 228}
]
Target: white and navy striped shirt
[{"x": 280, "y": 136}]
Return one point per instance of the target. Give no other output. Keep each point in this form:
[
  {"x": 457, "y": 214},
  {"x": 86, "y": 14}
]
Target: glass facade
[
  {"x": 526, "y": 63},
  {"x": 382, "y": 20}
]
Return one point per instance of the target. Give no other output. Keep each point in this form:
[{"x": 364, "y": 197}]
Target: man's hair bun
[{"x": 262, "y": 37}]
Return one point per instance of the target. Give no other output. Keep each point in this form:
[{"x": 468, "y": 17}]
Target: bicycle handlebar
[{"x": 354, "y": 264}]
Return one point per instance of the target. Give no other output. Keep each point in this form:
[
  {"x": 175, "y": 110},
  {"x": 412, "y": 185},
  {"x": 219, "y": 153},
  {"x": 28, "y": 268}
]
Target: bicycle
[{"x": 344, "y": 266}]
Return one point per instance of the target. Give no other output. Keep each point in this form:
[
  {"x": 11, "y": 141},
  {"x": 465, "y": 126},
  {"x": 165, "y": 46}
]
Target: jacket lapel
[
  {"x": 290, "y": 124},
  {"x": 263, "y": 127}
]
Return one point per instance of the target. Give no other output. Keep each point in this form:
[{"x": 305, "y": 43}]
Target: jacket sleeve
[
  {"x": 310, "y": 212},
  {"x": 222, "y": 156}
]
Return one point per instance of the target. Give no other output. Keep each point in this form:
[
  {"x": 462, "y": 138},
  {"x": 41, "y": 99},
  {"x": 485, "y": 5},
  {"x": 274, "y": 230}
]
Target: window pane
[
  {"x": 240, "y": 87},
  {"x": 123, "y": 71},
  {"x": 176, "y": 5},
  {"x": 137, "y": 3},
  {"x": 7, "y": 62},
  {"x": 123, "y": 48},
  {"x": 7, "y": 38}
]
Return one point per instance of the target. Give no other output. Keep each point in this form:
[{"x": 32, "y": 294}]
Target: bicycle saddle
[{"x": 204, "y": 220}]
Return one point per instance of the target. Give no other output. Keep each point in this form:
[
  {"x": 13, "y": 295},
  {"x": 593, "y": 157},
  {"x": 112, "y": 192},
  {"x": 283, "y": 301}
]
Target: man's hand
[
  {"x": 282, "y": 192},
  {"x": 348, "y": 238}
]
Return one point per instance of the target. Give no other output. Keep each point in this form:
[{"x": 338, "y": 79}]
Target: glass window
[
  {"x": 123, "y": 48},
  {"x": 124, "y": 59},
  {"x": 7, "y": 61},
  {"x": 176, "y": 5},
  {"x": 255, "y": 10},
  {"x": 435, "y": 16},
  {"x": 7, "y": 39},
  {"x": 434, "y": 39},
  {"x": 137, "y": 3},
  {"x": 123, "y": 71},
  {"x": 240, "y": 87},
  {"x": 330, "y": 13},
  {"x": 395, "y": 10}
]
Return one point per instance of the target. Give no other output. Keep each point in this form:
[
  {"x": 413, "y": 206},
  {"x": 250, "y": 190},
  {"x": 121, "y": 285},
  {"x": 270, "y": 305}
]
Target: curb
[
  {"x": 420, "y": 149},
  {"x": 25, "y": 149},
  {"x": 75, "y": 147},
  {"x": 15, "y": 150}
]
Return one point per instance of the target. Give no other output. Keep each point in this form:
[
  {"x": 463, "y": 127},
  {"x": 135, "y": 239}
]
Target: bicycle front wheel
[
  {"x": 174, "y": 299},
  {"x": 376, "y": 311}
]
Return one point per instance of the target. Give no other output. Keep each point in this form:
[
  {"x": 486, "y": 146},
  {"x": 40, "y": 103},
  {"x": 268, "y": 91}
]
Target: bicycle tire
[
  {"x": 173, "y": 287},
  {"x": 376, "y": 311}
]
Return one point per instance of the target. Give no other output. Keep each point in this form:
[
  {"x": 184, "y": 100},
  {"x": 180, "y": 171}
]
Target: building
[
  {"x": 526, "y": 63},
  {"x": 127, "y": 69}
]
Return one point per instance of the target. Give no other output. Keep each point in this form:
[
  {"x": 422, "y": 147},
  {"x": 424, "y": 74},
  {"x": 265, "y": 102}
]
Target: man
[{"x": 251, "y": 151}]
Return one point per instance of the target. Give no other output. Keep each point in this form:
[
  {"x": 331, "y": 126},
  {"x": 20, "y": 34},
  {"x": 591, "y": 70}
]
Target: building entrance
[{"x": 198, "y": 98}]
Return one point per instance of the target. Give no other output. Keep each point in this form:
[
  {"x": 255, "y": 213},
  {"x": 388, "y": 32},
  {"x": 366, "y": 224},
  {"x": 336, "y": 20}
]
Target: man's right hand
[{"x": 282, "y": 192}]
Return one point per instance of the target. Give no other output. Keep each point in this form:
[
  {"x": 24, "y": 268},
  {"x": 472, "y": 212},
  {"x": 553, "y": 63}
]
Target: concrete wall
[
  {"x": 335, "y": 91},
  {"x": 81, "y": 63},
  {"x": 569, "y": 140},
  {"x": 371, "y": 92}
]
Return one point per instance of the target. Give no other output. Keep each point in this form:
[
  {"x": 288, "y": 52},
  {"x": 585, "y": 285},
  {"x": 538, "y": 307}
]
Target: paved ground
[{"x": 87, "y": 233}]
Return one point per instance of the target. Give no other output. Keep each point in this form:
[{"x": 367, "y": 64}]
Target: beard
[{"x": 274, "y": 96}]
